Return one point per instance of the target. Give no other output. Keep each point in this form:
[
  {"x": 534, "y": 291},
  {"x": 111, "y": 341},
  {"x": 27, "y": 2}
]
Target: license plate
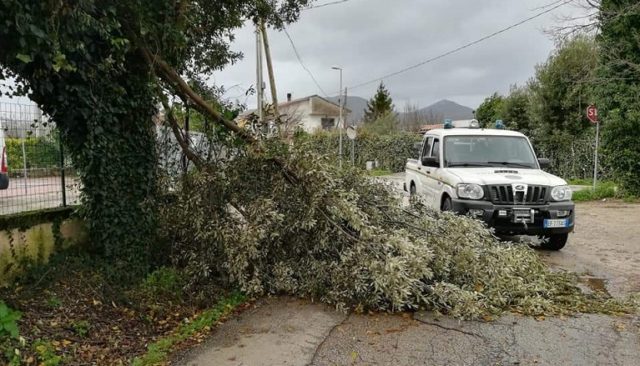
[{"x": 551, "y": 224}]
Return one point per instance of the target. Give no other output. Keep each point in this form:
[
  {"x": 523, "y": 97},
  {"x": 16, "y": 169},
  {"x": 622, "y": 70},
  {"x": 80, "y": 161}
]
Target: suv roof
[{"x": 472, "y": 132}]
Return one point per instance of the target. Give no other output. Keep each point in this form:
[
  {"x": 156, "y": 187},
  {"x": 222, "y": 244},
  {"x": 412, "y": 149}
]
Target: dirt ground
[{"x": 605, "y": 245}]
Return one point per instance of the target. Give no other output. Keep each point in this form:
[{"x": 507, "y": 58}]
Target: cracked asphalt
[{"x": 605, "y": 248}]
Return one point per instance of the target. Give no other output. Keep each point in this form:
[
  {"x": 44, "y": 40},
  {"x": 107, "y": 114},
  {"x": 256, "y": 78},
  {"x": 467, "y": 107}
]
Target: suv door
[
  {"x": 423, "y": 183},
  {"x": 432, "y": 183}
]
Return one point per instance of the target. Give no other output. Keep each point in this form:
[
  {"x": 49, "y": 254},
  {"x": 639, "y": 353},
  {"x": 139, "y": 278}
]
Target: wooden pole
[{"x": 272, "y": 78}]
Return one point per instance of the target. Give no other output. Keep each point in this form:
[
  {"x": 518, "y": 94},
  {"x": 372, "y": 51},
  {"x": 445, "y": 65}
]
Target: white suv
[{"x": 493, "y": 175}]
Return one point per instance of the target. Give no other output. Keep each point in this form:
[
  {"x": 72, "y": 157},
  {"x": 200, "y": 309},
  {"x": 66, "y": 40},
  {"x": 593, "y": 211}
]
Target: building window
[{"x": 328, "y": 123}]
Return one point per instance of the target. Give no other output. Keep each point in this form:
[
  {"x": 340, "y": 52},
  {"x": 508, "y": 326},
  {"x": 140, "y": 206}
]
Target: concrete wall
[{"x": 30, "y": 239}]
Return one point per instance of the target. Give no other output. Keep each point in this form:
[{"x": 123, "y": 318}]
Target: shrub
[
  {"x": 40, "y": 152},
  {"x": 602, "y": 191},
  {"x": 338, "y": 236},
  {"x": 391, "y": 151},
  {"x": 8, "y": 321}
]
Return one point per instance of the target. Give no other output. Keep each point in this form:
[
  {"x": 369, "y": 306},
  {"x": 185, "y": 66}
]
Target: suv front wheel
[{"x": 554, "y": 241}]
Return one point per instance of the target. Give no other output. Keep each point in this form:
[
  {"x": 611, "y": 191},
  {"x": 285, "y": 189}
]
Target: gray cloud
[{"x": 371, "y": 38}]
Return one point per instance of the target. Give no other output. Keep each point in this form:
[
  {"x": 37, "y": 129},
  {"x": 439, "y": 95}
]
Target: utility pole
[
  {"x": 272, "y": 79},
  {"x": 259, "y": 82},
  {"x": 340, "y": 124}
]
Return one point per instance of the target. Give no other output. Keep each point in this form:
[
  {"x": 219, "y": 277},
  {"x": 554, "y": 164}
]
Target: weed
[
  {"x": 158, "y": 351},
  {"x": 602, "y": 191},
  {"x": 54, "y": 302},
  {"x": 81, "y": 328},
  {"x": 164, "y": 282},
  {"x": 9, "y": 321},
  {"x": 46, "y": 353}
]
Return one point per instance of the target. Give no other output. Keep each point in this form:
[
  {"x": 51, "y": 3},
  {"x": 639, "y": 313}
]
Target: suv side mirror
[
  {"x": 431, "y": 161},
  {"x": 544, "y": 163}
]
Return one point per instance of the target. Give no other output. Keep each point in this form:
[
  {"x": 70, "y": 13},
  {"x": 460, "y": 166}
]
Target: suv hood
[{"x": 485, "y": 176}]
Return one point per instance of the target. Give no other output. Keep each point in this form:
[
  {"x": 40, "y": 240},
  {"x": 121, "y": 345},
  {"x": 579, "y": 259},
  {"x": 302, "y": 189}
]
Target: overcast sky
[{"x": 371, "y": 38}]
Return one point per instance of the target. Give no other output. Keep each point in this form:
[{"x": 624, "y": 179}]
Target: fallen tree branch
[{"x": 191, "y": 155}]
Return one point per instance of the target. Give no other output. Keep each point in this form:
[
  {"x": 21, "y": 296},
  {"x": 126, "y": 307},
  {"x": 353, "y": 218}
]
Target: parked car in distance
[
  {"x": 4, "y": 164},
  {"x": 492, "y": 175}
]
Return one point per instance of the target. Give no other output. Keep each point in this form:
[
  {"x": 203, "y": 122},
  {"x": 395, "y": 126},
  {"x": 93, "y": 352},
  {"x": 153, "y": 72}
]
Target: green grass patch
[
  {"x": 379, "y": 172},
  {"x": 158, "y": 351},
  {"x": 602, "y": 191},
  {"x": 580, "y": 182}
]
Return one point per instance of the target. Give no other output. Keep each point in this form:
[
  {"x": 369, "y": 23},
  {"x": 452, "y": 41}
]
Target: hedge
[
  {"x": 41, "y": 152},
  {"x": 391, "y": 151}
]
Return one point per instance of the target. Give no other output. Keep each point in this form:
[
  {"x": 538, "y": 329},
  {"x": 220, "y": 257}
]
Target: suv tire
[
  {"x": 447, "y": 205},
  {"x": 554, "y": 241}
]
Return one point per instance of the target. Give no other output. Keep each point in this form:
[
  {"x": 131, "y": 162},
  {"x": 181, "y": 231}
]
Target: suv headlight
[
  {"x": 470, "y": 191},
  {"x": 561, "y": 193}
]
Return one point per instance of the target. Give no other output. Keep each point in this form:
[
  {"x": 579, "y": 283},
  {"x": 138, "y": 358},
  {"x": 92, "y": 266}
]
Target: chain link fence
[{"x": 40, "y": 175}]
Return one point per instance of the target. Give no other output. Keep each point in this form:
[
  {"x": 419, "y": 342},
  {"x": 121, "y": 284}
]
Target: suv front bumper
[{"x": 494, "y": 216}]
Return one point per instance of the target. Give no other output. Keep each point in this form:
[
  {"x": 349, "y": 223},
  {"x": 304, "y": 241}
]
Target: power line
[
  {"x": 494, "y": 34},
  {"x": 326, "y": 4},
  {"x": 295, "y": 50}
]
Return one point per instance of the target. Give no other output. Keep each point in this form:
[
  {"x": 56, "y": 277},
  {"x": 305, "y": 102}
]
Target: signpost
[
  {"x": 352, "y": 133},
  {"x": 592, "y": 115}
]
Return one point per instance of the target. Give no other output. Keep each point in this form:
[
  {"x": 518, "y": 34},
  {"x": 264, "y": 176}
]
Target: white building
[{"x": 311, "y": 114}]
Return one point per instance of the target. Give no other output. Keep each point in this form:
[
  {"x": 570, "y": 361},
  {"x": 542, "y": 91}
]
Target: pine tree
[{"x": 379, "y": 106}]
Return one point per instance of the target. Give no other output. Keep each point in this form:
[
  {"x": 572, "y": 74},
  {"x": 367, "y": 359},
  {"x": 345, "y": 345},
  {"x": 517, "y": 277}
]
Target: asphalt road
[
  {"x": 605, "y": 249},
  {"x": 36, "y": 193}
]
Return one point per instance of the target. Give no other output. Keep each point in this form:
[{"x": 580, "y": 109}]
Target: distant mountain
[
  {"x": 357, "y": 105},
  {"x": 446, "y": 109},
  {"x": 436, "y": 112}
]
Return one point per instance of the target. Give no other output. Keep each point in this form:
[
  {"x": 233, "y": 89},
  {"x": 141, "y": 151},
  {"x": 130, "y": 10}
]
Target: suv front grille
[{"x": 504, "y": 195}]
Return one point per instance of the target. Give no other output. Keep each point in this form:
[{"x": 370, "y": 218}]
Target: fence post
[
  {"x": 62, "y": 176},
  {"x": 24, "y": 163}
]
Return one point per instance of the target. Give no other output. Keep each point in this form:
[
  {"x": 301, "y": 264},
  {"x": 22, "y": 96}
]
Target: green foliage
[
  {"x": 380, "y": 106},
  {"x": 618, "y": 89},
  {"x": 165, "y": 282},
  {"x": 80, "y": 327},
  {"x": 83, "y": 64},
  {"x": 385, "y": 125},
  {"x": 550, "y": 109},
  {"x": 391, "y": 151},
  {"x": 46, "y": 353},
  {"x": 41, "y": 152},
  {"x": 8, "y": 321},
  {"x": 54, "y": 302},
  {"x": 490, "y": 110},
  {"x": 515, "y": 110},
  {"x": 353, "y": 244},
  {"x": 159, "y": 350},
  {"x": 603, "y": 190}
]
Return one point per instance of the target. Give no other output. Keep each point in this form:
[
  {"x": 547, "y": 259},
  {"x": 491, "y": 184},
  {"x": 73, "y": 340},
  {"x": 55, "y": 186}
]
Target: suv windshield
[{"x": 488, "y": 151}]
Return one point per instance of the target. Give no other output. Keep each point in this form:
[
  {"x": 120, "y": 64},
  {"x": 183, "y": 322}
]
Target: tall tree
[
  {"x": 618, "y": 89},
  {"x": 515, "y": 110},
  {"x": 490, "y": 110},
  {"x": 562, "y": 89},
  {"x": 380, "y": 105},
  {"x": 99, "y": 68}
]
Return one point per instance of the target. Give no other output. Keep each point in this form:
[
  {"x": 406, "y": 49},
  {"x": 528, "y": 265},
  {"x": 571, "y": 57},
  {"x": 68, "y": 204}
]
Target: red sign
[{"x": 592, "y": 114}]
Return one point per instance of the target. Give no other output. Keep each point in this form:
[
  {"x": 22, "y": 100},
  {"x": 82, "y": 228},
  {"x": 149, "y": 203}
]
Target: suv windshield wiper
[
  {"x": 452, "y": 165},
  {"x": 507, "y": 163}
]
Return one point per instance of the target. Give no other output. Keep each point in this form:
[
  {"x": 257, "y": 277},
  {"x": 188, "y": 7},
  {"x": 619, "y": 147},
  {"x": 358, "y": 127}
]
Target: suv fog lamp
[
  {"x": 561, "y": 193},
  {"x": 563, "y": 213},
  {"x": 470, "y": 191},
  {"x": 502, "y": 213},
  {"x": 476, "y": 212}
]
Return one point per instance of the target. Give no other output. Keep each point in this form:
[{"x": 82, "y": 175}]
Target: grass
[
  {"x": 379, "y": 172},
  {"x": 602, "y": 191},
  {"x": 580, "y": 182},
  {"x": 159, "y": 351}
]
